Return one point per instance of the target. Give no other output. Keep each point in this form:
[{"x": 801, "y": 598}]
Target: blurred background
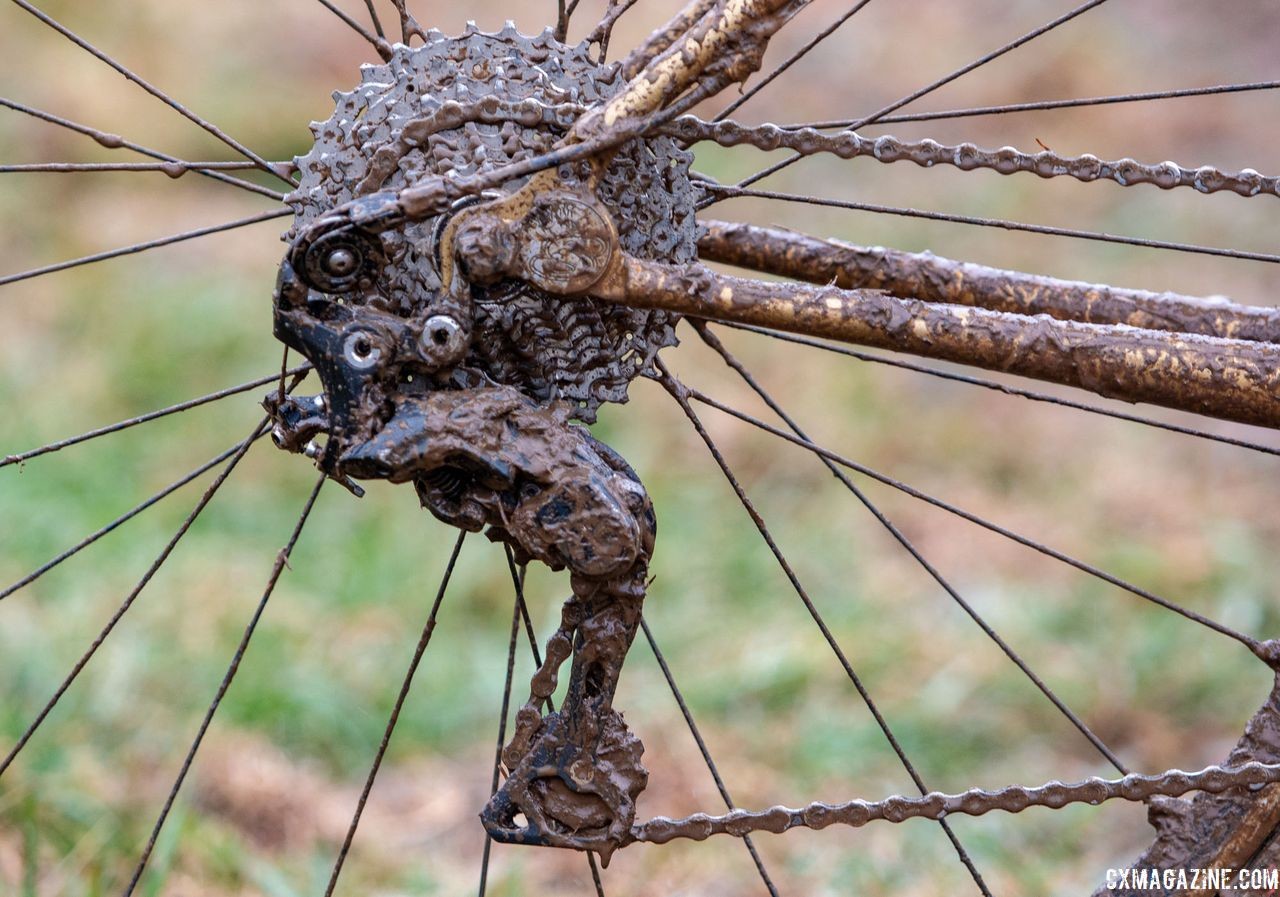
[{"x": 273, "y": 787}]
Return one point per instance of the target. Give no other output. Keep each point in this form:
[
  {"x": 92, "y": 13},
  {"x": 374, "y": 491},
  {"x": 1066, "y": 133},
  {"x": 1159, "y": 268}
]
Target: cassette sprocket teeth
[{"x": 579, "y": 350}]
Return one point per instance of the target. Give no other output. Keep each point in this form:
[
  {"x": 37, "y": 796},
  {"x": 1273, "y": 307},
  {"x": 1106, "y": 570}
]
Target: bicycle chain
[
  {"x": 926, "y": 153},
  {"x": 974, "y": 802},
  {"x": 469, "y": 388},
  {"x": 968, "y": 156},
  {"x": 383, "y": 135}
]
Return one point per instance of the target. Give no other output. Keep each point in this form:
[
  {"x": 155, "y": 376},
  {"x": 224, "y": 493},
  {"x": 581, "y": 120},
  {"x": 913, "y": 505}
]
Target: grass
[{"x": 274, "y": 785}]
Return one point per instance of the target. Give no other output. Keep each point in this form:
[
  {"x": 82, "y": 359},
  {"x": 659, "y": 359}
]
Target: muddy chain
[
  {"x": 974, "y": 802},
  {"x": 399, "y": 383},
  {"x": 969, "y": 156},
  {"x": 926, "y": 153}
]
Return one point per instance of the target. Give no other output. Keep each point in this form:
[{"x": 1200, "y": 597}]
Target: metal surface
[
  {"x": 492, "y": 458},
  {"x": 931, "y": 278},
  {"x": 1224, "y": 830},
  {"x": 971, "y": 157},
  {"x": 467, "y": 386},
  {"x": 1231, "y": 829},
  {"x": 494, "y": 234},
  {"x": 1233, "y": 379},
  {"x": 727, "y": 42},
  {"x": 417, "y": 117},
  {"x": 974, "y": 802}
]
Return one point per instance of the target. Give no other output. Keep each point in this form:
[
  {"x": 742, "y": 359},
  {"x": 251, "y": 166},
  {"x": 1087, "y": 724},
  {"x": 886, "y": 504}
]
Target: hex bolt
[
  {"x": 341, "y": 262},
  {"x": 442, "y": 341}
]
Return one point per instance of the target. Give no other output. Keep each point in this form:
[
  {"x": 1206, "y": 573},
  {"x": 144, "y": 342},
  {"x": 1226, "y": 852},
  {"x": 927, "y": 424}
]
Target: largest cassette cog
[{"x": 549, "y": 347}]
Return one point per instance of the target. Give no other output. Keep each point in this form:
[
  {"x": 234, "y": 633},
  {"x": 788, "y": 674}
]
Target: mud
[
  {"x": 1235, "y": 829},
  {"x": 467, "y": 286},
  {"x": 1235, "y": 380},
  {"x": 930, "y": 278},
  {"x": 970, "y": 157},
  {"x": 493, "y": 458}
]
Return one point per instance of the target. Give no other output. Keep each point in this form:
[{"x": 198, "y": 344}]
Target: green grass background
[{"x": 273, "y": 787}]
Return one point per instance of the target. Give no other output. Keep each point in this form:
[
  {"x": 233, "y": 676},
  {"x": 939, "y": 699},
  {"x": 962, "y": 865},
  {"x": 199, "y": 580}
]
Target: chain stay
[
  {"x": 557, "y": 236},
  {"x": 932, "y": 278},
  {"x": 1232, "y": 379},
  {"x": 974, "y": 802}
]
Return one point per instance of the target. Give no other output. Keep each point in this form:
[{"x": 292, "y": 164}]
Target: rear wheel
[{"x": 272, "y": 801}]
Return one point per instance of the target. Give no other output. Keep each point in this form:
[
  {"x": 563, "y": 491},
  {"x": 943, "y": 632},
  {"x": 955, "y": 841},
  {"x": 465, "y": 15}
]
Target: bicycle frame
[{"x": 1206, "y": 358}]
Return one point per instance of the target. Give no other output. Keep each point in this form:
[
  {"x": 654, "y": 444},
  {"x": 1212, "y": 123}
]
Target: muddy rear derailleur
[{"x": 402, "y": 403}]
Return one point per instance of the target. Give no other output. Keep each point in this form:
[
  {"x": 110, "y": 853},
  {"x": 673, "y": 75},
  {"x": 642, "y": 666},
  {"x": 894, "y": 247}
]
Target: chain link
[
  {"x": 969, "y": 156},
  {"x": 849, "y": 145},
  {"x": 974, "y": 802}
]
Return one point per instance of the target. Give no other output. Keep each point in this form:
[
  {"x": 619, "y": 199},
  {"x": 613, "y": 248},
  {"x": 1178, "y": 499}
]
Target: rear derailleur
[{"x": 403, "y": 402}]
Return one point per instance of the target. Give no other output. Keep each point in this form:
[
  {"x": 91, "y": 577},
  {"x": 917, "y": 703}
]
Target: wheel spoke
[
  {"x": 375, "y": 19},
  {"x": 142, "y": 247},
  {"x": 977, "y": 63},
  {"x": 502, "y": 731},
  {"x": 706, "y": 752},
  {"x": 595, "y": 874},
  {"x": 1006, "y": 388},
  {"x": 791, "y": 60},
  {"x": 423, "y": 641},
  {"x": 1043, "y": 105},
  {"x": 297, "y": 372},
  {"x": 173, "y": 169},
  {"x": 695, "y": 88},
  {"x": 711, "y": 340},
  {"x": 727, "y": 192},
  {"x": 282, "y": 560},
  {"x": 154, "y": 91},
  {"x": 378, "y": 43},
  {"x": 115, "y": 141},
  {"x": 517, "y": 584},
  {"x": 681, "y": 394},
  {"x": 106, "y": 630},
  {"x": 1258, "y": 648},
  {"x": 123, "y": 518},
  {"x": 408, "y": 24},
  {"x": 944, "y": 80},
  {"x": 603, "y": 31}
]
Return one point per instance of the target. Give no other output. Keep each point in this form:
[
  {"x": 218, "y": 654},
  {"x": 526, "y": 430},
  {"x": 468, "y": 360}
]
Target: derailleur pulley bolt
[
  {"x": 443, "y": 340},
  {"x": 341, "y": 262}
]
